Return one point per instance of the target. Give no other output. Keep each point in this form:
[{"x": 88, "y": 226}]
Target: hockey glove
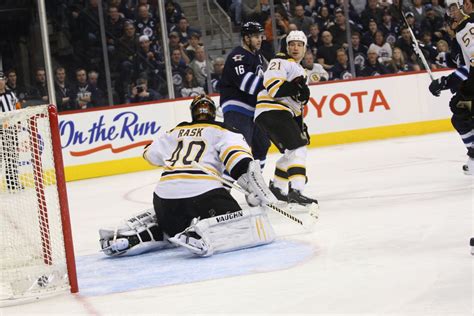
[
  {"x": 438, "y": 85},
  {"x": 303, "y": 95}
]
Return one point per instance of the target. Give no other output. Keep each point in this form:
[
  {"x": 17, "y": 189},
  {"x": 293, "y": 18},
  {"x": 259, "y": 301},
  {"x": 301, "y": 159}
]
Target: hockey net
[{"x": 37, "y": 257}]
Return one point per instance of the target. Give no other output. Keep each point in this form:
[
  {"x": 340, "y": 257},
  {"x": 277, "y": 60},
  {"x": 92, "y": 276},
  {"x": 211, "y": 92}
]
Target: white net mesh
[{"x": 33, "y": 260}]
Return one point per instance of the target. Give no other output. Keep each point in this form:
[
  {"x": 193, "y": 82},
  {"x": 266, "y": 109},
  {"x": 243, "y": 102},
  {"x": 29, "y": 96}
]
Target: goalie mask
[{"x": 203, "y": 108}]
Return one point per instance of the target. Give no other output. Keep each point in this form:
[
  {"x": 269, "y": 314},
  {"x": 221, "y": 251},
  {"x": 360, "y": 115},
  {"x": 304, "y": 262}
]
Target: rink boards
[{"x": 110, "y": 140}]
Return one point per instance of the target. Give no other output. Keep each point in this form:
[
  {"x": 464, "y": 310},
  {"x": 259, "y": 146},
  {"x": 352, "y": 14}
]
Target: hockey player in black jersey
[
  {"x": 242, "y": 80},
  {"x": 461, "y": 81}
]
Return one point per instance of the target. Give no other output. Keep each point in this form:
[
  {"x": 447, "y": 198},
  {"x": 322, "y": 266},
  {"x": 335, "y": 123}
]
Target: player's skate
[
  {"x": 191, "y": 240},
  {"x": 277, "y": 192},
  {"x": 296, "y": 198},
  {"x": 472, "y": 245},
  {"x": 468, "y": 168}
]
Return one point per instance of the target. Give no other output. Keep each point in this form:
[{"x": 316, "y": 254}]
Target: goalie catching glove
[{"x": 252, "y": 181}]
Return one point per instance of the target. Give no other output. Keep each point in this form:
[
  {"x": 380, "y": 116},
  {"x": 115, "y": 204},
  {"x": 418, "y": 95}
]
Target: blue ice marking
[{"x": 100, "y": 275}]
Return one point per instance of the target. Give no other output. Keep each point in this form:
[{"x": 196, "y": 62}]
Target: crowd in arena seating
[{"x": 381, "y": 44}]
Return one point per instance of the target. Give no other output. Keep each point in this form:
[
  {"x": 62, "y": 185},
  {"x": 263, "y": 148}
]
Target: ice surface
[{"x": 392, "y": 239}]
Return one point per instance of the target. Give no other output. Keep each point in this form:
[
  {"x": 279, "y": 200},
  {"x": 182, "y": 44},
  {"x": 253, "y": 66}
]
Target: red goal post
[{"x": 35, "y": 230}]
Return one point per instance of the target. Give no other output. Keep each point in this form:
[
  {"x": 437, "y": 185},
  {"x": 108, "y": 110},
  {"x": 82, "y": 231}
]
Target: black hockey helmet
[
  {"x": 203, "y": 108},
  {"x": 251, "y": 27}
]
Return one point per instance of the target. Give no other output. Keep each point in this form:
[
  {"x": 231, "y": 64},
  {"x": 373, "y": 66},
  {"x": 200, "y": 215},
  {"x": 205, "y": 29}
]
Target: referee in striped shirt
[{"x": 9, "y": 147}]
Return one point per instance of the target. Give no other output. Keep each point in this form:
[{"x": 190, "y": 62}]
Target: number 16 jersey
[{"x": 210, "y": 143}]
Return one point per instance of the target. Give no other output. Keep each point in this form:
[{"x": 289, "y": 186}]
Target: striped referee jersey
[{"x": 8, "y": 101}]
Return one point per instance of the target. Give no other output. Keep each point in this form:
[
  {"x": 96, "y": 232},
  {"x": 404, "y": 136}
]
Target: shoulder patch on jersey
[{"x": 238, "y": 57}]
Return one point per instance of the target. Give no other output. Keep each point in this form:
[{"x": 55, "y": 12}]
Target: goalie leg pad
[
  {"x": 238, "y": 230},
  {"x": 136, "y": 235}
]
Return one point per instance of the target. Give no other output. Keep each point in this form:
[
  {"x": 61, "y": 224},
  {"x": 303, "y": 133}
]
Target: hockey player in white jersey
[
  {"x": 279, "y": 112},
  {"x": 191, "y": 205}
]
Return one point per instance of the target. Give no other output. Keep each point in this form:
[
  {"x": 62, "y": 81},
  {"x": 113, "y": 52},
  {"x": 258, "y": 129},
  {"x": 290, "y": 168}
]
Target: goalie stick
[
  {"x": 418, "y": 51},
  {"x": 274, "y": 207}
]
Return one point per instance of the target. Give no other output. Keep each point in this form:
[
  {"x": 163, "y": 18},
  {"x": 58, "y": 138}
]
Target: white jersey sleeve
[
  {"x": 279, "y": 70},
  {"x": 211, "y": 144}
]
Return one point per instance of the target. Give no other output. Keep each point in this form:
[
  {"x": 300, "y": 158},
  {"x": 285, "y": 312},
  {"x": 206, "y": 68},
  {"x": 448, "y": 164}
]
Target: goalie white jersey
[
  {"x": 465, "y": 38},
  {"x": 210, "y": 143},
  {"x": 280, "y": 69}
]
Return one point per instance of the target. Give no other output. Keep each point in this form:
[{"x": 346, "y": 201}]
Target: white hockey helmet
[
  {"x": 458, "y": 3},
  {"x": 296, "y": 36}
]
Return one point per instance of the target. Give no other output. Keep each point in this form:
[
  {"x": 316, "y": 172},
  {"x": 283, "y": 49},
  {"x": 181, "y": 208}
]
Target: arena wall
[{"x": 110, "y": 140}]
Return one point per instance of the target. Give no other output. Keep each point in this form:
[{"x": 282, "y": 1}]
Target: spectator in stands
[
  {"x": 178, "y": 66},
  {"x": 315, "y": 72},
  {"x": 313, "y": 39},
  {"x": 151, "y": 8},
  {"x": 184, "y": 30},
  {"x": 324, "y": 19},
  {"x": 301, "y": 21},
  {"x": 327, "y": 52},
  {"x": 372, "y": 12},
  {"x": 443, "y": 56},
  {"x": 359, "y": 50},
  {"x": 368, "y": 36},
  {"x": 390, "y": 30},
  {"x": 398, "y": 63},
  {"x": 62, "y": 89},
  {"x": 404, "y": 42},
  {"x": 373, "y": 67},
  {"x": 82, "y": 95},
  {"x": 174, "y": 43},
  {"x": 428, "y": 48},
  {"x": 198, "y": 65},
  {"x": 172, "y": 14},
  {"x": 311, "y": 8},
  {"x": 216, "y": 75},
  {"x": 419, "y": 12},
  {"x": 93, "y": 81},
  {"x": 394, "y": 10},
  {"x": 338, "y": 30},
  {"x": 142, "y": 93},
  {"x": 341, "y": 69},
  {"x": 194, "y": 42},
  {"x": 413, "y": 24},
  {"x": 12, "y": 84},
  {"x": 127, "y": 48},
  {"x": 438, "y": 9},
  {"x": 288, "y": 7},
  {"x": 149, "y": 63},
  {"x": 383, "y": 49},
  {"x": 191, "y": 88},
  {"x": 114, "y": 27},
  {"x": 251, "y": 10},
  {"x": 282, "y": 25},
  {"x": 432, "y": 23},
  {"x": 145, "y": 24},
  {"x": 39, "y": 93}
]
